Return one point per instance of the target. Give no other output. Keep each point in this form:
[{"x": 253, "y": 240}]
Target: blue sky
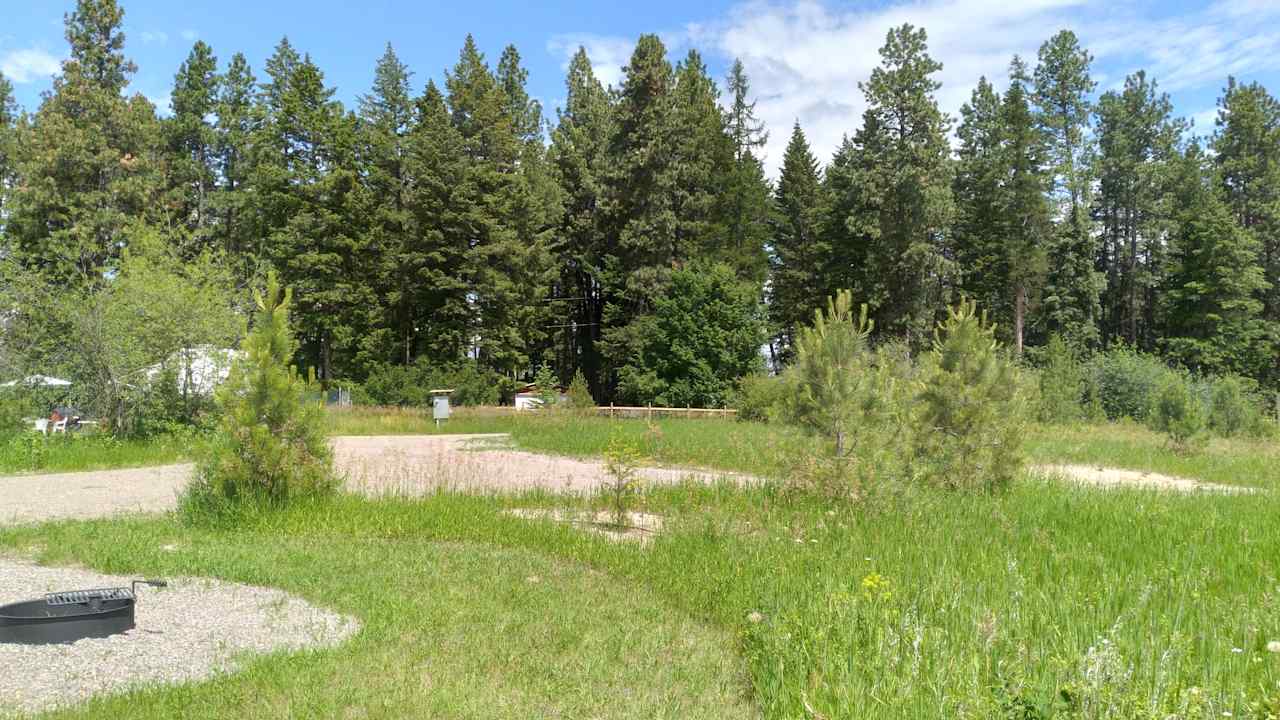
[{"x": 805, "y": 57}]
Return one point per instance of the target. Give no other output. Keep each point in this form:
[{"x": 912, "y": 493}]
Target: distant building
[
  {"x": 198, "y": 371},
  {"x": 528, "y": 397}
]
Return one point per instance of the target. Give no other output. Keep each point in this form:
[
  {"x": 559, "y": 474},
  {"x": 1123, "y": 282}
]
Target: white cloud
[
  {"x": 156, "y": 37},
  {"x": 608, "y": 54},
  {"x": 805, "y": 59},
  {"x": 190, "y": 35},
  {"x": 29, "y": 65}
]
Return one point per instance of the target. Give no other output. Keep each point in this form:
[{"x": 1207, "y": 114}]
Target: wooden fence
[{"x": 649, "y": 412}]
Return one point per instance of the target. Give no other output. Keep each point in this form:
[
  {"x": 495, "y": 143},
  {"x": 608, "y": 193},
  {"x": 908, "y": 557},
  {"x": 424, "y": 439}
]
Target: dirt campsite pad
[
  {"x": 376, "y": 466},
  {"x": 399, "y": 464},
  {"x": 1115, "y": 477}
]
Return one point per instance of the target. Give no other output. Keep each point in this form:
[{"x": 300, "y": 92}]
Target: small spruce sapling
[
  {"x": 580, "y": 393},
  {"x": 548, "y": 387}
]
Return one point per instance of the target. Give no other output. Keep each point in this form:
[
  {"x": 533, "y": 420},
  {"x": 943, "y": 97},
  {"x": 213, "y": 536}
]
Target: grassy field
[
  {"x": 1047, "y": 601},
  {"x": 712, "y": 443},
  {"x": 73, "y": 453}
]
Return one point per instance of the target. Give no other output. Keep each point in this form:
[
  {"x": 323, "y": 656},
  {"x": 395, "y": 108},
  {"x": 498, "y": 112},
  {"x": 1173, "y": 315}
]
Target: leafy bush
[
  {"x": 270, "y": 446},
  {"x": 410, "y": 385},
  {"x": 1124, "y": 382},
  {"x": 761, "y": 398},
  {"x": 969, "y": 424},
  {"x": 547, "y": 383},
  {"x": 1234, "y": 407},
  {"x": 1177, "y": 411}
]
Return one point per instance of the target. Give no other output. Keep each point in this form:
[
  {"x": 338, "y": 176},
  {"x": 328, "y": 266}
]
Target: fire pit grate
[
  {"x": 85, "y": 597},
  {"x": 71, "y": 615}
]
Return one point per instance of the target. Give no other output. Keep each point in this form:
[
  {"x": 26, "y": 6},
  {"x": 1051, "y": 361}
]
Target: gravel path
[
  {"x": 188, "y": 631},
  {"x": 30, "y": 498}
]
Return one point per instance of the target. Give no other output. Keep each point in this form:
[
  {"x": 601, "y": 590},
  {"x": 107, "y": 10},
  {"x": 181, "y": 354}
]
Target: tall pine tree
[
  {"x": 903, "y": 189},
  {"x": 746, "y": 198},
  {"x": 89, "y": 160},
  {"x": 1137, "y": 140},
  {"x": 1073, "y": 286},
  {"x": 579, "y": 157},
  {"x": 1247, "y": 149},
  {"x": 800, "y": 251},
  {"x": 386, "y": 119},
  {"x": 191, "y": 141},
  {"x": 233, "y": 203},
  {"x": 1212, "y": 313}
]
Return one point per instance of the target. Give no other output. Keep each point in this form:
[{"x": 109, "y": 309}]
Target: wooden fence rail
[{"x": 648, "y": 411}]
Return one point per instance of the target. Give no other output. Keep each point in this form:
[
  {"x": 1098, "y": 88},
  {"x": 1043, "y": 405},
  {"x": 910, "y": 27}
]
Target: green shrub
[
  {"x": 410, "y": 385},
  {"x": 761, "y": 398},
  {"x": 969, "y": 422},
  {"x": 1177, "y": 411},
  {"x": 579, "y": 395},
  {"x": 1061, "y": 382},
  {"x": 1123, "y": 382},
  {"x": 1234, "y": 408},
  {"x": 270, "y": 446}
]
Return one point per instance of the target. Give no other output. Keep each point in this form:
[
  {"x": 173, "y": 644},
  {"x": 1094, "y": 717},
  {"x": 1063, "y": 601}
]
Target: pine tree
[
  {"x": 979, "y": 228},
  {"x": 746, "y": 201},
  {"x": 1247, "y": 148},
  {"x": 237, "y": 121},
  {"x": 525, "y": 112},
  {"x": 270, "y": 447},
  {"x": 1213, "y": 315},
  {"x": 578, "y": 155},
  {"x": 386, "y": 119},
  {"x": 89, "y": 159},
  {"x": 191, "y": 141},
  {"x": 431, "y": 267},
  {"x": 799, "y": 245},
  {"x": 1072, "y": 288},
  {"x": 703, "y": 163},
  {"x": 509, "y": 213},
  {"x": 903, "y": 188},
  {"x": 1137, "y": 139},
  {"x": 639, "y": 202},
  {"x": 1024, "y": 207},
  {"x": 8, "y": 129},
  {"x": 306, "y": 183}
]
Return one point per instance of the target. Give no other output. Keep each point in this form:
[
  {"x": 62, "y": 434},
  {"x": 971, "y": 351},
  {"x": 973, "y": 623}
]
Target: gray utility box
[{"x": 440, "y": 405}]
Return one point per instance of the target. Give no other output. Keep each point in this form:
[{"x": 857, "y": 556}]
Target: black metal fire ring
[{"x": 68, "y": 616}]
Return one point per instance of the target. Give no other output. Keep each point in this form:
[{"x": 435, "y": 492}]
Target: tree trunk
[{"x": 1019, "y": 313}]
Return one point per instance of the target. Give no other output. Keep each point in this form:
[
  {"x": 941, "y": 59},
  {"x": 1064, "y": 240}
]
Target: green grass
[
  {"x": 1067, "y": 602},
  {"x": 74, "y": 452},
  {"x": 455, "y": 628},
  {"x": 1235, "y": 461}
]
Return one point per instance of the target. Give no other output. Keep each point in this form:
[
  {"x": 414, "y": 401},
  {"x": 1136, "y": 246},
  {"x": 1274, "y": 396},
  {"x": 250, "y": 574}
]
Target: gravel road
[{"x": 188, "y": 631}]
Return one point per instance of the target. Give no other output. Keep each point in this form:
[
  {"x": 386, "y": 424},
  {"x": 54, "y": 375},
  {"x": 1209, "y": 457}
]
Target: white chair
[
  {"x": 60, "y": 426},
  {"x": 42, "y": 426}
]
